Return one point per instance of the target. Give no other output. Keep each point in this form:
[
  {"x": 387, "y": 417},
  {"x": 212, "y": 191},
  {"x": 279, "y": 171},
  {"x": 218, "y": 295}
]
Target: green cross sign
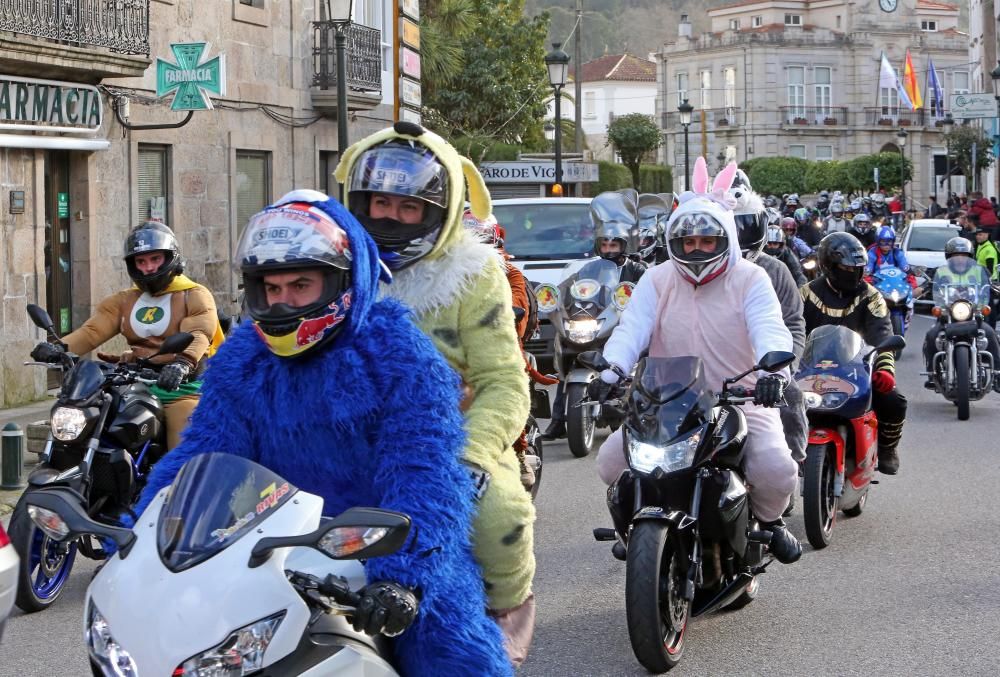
[{"x": 191, "y": 78}]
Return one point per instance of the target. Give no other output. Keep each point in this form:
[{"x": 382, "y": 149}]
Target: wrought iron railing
[
  {"x": 364, "y": 56},
  {"x": 814, "y": 115},
  {"x": 888, "y": 116},
  {"x": 119, "y": 25}
]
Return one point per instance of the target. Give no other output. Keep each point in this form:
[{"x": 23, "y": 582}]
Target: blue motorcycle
[{"x": 894, "y": 286}]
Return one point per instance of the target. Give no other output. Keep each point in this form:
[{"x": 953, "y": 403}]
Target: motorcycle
[
  {"x": 810, "y": 266},
  {"x": 584, "y": 310},
  {"x": 962, "y": 366},
  {"x": 233, "y": 537},
  {"x": 682, "y": 511},
  {"x": 106, "y": 431},
  {"x": 835, "y": 379},
  {"x": 892, "y": 283}
]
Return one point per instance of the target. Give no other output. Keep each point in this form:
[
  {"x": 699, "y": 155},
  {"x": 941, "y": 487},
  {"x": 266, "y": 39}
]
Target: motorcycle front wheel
[
  {"x": 45, "y": 564},
  {"x": 899, "y": 329},
  {"x": 580, "y": 421},
  {"x": 819, "y": 505},
  {"x": 534, "y": 449},
  {"x": 962, "y": 381},
  {"x": 656, "y": 612}
]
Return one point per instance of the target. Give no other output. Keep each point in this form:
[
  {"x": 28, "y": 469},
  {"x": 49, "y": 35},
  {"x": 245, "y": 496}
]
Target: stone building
[
  {"x": 798, "y": 78},
  {"x": 77, "y": 168}
]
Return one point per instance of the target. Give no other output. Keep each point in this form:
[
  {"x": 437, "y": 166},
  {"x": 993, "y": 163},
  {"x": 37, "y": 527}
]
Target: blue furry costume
[{"x": 371, "y": 420}]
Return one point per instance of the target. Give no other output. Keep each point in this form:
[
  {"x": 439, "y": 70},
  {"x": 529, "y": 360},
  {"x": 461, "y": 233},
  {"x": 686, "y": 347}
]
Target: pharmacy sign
[{"x": 191, "y": 78}]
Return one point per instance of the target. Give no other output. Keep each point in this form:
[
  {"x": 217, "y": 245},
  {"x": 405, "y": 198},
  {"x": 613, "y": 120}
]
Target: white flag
[{"x": 887, "y": 79}]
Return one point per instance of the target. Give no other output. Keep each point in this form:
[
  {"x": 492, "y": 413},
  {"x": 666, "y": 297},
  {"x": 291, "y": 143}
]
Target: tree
[
  {"x": 960, "y": 142},
  {"x": 499, "y": 92},
  {"x": 443, "y": 25},
  {"x": 777, "y": 175},
  {"x": 824, "y": 176},
  {"x": 861, "y": 171},
  {"x": 633, "y": 135}
]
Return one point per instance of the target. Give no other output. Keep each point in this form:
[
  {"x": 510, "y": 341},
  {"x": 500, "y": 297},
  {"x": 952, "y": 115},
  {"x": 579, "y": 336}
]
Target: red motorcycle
[{"x": 835, "y": 378}]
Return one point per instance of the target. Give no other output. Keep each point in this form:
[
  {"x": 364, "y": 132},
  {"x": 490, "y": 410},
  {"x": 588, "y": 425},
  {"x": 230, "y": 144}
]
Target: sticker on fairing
[
  {"x": 547, "y": 296},
  {"x": 622, "y": 295}
]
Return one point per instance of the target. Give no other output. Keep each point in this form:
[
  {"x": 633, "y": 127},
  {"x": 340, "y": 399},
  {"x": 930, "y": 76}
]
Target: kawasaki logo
[{"x": 149, "y": 315}]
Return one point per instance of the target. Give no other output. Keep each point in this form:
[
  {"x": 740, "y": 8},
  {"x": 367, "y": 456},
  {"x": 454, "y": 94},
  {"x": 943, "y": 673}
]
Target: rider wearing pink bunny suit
[{"x": 709, "y": 302}]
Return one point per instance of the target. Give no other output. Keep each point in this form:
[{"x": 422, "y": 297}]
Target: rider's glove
[
  {"x": 769, "y": 390},
  {"x": 172, "y": 375},
  {"x": 385, "y": 608},
  {"x": 48, "y": 352},
  {"x": 601, "y": 387},
  {"x": 883, "y": 382}
]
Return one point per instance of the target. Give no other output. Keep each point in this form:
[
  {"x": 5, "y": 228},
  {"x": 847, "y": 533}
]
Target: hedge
[{"x": 652, "y": 179}]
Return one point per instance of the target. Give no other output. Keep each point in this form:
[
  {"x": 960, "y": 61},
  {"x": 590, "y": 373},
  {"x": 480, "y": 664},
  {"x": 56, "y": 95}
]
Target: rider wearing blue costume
[
  {"x": 342, "y": 395},
  {"x": 885, "y": 253}
]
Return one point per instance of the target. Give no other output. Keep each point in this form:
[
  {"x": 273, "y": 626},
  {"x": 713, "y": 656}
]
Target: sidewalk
[{"x": 22, "y": 416}]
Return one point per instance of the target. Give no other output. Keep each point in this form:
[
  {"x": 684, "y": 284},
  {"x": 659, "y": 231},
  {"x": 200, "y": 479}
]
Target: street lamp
[
  {"x": 685, "y": 114},
  {"x": 948, "y": 124},
  {"x": 338, "y": 13},
  {"x": 557, "y": 63},
  {"x": 901, "y": 141},
  {"x": 721, "y": 157},
  {"x": 995, "y": 74}
]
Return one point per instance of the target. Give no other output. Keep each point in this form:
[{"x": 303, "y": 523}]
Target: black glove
[
  {"x": 172, "y": 375},
  {"x": 770, "y": 391},
  {"x": 48, "y": 352},
  {"x": 598, "y": 390},
  {"x": 385, "y": 608}
]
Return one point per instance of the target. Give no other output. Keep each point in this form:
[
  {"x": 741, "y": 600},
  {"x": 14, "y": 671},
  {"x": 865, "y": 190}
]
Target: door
[{"x": 58, "y": 260}]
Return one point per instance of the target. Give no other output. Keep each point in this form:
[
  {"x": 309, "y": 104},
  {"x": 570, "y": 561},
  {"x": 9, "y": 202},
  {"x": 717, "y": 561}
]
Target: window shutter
[
  {"x": 152, "y": 179},
  {"x": 252, "y": 190}
]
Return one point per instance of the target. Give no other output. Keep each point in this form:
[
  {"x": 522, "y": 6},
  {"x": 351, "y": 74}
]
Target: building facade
[
  {"x": 797, "y": 78},
  {"x": 984, "y": 60},
  {"x": 80, "y": 165}
]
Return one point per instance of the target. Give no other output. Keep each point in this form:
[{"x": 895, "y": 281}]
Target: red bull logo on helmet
[{"x": 313, "y": 329}]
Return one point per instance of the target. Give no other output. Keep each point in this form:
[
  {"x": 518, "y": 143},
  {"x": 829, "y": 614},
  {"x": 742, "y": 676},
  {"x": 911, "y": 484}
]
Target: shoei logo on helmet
[
  {"x": 147, "y": 315},
  {"x": 141, "y": 246},
  {"x": 314, "y": 329},
  {"x": 395, "y": 177}
]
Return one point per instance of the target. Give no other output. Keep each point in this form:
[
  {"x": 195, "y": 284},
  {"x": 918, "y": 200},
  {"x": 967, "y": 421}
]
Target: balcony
[
  {"x": 898, "y": 117},
  {"x": 364, "y": 67},
  {"x": 57, "y": 38},
  {"x": 716, "y": 119},
  {"x": 814, "y": 115}
]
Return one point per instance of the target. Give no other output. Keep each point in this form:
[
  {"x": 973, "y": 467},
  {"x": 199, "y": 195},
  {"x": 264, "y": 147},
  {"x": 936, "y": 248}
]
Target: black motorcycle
[
  {"x": 106, "y": 431},
  {"x": 682, "y": 510}
]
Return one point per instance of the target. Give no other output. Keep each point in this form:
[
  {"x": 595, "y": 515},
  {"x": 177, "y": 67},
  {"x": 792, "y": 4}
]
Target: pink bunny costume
[{"x": 728, "y": 315}]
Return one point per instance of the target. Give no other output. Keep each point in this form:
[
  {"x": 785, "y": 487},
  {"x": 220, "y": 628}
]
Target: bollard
[{"x": 11, "y": 456}]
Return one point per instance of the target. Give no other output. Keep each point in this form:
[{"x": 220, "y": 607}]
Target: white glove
[{"x": 610, "y": 377}]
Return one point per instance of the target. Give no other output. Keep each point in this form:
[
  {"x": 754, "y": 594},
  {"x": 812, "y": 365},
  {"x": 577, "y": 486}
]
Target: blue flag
[{"x": 934, "y": 86}]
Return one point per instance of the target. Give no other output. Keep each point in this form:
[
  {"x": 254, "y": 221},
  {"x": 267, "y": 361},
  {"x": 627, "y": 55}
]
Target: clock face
[{"x": 887, "y": 5}]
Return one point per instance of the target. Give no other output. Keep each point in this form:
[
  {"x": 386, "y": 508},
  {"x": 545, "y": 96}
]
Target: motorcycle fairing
[{"x": 730, "y": 436}]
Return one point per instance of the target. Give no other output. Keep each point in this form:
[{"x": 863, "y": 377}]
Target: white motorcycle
[{"x": 222, "y": 575}]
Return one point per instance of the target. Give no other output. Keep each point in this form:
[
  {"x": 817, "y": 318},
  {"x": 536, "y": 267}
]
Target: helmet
[
  {"x": 802, "y": 216},
  {"x": 615, "y": 217},
  {"x": 824, "y": 194},
  {"x": 774, "y": 241},
  {"x": 862, "y": 222},
  {"x": 698, "y": 267},
  {"x": 957, "y": 246},
  {"x": 837, "y": 209},
  {"x": 788, "y": 225},
  {"x": 855, "y": 205},
  {"x": 751, "y": 228},
  {"x": 886, "y": 235},
  {"x": 771, "y": 202},
  {"x": 654, "y": 212},
  {"x": 842, "y": 260},
  {"x": 878, "y": 199},
  {"x": 296, "y": 236},
  {"x": 153, "y": 236},
  {"x": 792, "y": 199},
  {"x": 773, "y": 217},
  {"x": 404, "y": 169},
  {"x": 489, "y": 231}
]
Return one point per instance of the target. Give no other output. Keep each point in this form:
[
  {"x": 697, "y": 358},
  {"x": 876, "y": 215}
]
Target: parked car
[
  {"x": 8, "y": 577},
  {"x": 550, "y": 239},
  {"x": 923, "y": 243}
]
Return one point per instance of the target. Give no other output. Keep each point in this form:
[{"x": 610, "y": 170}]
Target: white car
[
  {"x": 923, "y": 243},
  {"x": 8, "y": 577}
]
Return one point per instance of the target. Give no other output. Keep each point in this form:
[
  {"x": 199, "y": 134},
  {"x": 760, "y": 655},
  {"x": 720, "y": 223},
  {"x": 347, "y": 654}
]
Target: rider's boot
[
  {"x": 555, "y": 431},
  {"x": 888, "y": 460},
  {"x": 784, "y": 546}
]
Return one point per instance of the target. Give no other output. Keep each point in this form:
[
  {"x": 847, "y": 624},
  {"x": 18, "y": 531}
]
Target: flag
[
  {"x": 887, "y": 79},
  {"x": 933, "y": 85},
  {"x": 910, "y": 83}
]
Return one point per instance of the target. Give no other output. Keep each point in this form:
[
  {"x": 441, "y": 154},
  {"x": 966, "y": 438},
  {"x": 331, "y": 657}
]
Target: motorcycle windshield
[
  {"x": 215, "y": 500},
  {"x": 961, "y": 279},
  {"x": 591, "y": 288},
  {"x": 615, "y": 214},
  {"x": 82, "y": 381},
  {"x": 676, "y": 387},
  {"x": 830, "y": 347}
]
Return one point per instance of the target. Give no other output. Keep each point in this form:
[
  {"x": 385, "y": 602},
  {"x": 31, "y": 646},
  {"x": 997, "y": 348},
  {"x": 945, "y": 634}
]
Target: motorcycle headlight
[
  {"x": 646, "y": 458},
  {"x": 895, "y": 296},
  {"x": 67, "y": 423},
  {"x": 812, "y": 400},
  {"x": 239, "y": 654},
  {"x": 961, "y": 311},
  {"x": 104, "y": 649},
  {"x": 809, "y": 265},
  {"x": 583, "y": 331}
]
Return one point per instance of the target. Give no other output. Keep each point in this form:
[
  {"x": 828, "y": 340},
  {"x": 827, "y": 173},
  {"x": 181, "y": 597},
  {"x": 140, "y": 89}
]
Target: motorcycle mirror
[
  {"x": 61, "y": 510},
  {"x": 176, "y": 343},
  {"x": 894, "y": 342},
  {"x": 41, "y": 318},
  {"x": 593, "y": 360},
  {"x": 775, "y": 361}
]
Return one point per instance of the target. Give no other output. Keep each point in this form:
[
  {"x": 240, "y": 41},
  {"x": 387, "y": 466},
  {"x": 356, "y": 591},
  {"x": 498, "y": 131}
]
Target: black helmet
[
  {"x": 957, "y": 246},
  {"x": 751, "y": 229},
  {"x": 405, "y": 169},
  {"x": 153, "y": 236},
  {"x": 842, "y": 260},
  {"x": 654, "y": 212}
]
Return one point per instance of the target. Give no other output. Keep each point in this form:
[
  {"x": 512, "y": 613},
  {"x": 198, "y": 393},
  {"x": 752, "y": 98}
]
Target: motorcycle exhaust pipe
[{"x": 725, "y": 596}]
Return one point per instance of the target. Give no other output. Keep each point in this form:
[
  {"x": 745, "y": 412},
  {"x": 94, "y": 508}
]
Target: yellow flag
[{"x": 910, "y": 83}]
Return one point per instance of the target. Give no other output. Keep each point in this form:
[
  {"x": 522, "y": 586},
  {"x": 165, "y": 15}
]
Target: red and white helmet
[{"x": 488, "y": 230}]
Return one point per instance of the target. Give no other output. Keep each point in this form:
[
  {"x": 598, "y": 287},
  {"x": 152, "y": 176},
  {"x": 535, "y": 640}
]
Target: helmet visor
[
  {"x": 697, "y": 236},
  {"x": 408, "y": 170},
  {"x": 295, "y": 235}
]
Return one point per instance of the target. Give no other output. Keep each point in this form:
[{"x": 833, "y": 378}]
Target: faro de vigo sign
[
  {"x": 192, "y": 78},
  {"x": 49, "y": 105}
]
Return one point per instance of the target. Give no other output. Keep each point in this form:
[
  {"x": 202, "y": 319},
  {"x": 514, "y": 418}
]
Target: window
[
  {"x": 824, "y": 153},
  {"x": 797, "y": 150},
  {"x": 822, "y": 91},
  {"x": 838, "y": 21},
  {"x": 734, "y": 24},
  {"x": 682, "y": 87},
  {"x": 153, "y": 188},
  {"x": 929, "y": 26},
  {"x": 590, "y": 104},
  {"x": 796, "y": 77},
  {"x": 889, "y": 101},
  {"x": 729, "y": 77},
  {"x": 252, "y": 12},
  {"x": 253, "y": 184},
  {"x": 960, "y": 82},
  {"x": 757, "y": 21},
  {"x": 706, "y": 89},
  {"x": 793, "y": 19},
  {"x": 327, "y": 164}
]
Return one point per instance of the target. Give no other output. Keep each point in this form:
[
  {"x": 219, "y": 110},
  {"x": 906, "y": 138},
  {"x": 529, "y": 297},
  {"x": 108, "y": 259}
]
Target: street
[{"x": 909, "y": 587}]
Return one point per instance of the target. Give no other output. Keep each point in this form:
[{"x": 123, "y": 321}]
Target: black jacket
[
  {"x": 864, "y": 312},
  {"x": 631, "y": 271},
  {"x": 789, "y": 258}
]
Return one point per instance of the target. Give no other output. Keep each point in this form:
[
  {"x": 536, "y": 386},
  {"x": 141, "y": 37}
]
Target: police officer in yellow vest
[{"x": 162, "y": 302}]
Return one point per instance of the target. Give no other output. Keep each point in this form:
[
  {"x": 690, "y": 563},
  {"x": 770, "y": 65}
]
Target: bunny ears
[{"x": 719, "y": 191}]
